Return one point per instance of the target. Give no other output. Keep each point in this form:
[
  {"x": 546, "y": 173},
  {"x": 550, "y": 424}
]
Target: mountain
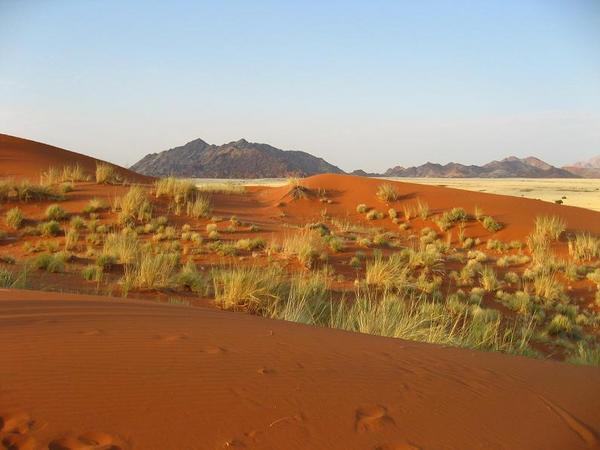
[
  {"x": 24, "y": 159},
  {"x": 239, "y": 159},
  {"x": 586, "y": 169},
  {"x": 511, "y": 167}
]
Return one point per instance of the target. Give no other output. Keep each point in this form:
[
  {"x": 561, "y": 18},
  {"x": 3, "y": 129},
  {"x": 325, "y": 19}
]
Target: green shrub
[
  {"x": 92, "y": 273},
  {"x": 490, "y": 224},
  {"x": 51, "y": 228},
  {"x": 106, "y": 174}
]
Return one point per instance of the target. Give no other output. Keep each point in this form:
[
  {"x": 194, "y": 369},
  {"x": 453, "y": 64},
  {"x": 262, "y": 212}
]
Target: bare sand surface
[{"x": 81, "y": 372}]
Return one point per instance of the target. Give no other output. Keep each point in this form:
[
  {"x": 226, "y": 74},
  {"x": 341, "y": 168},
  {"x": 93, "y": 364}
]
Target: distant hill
[
  {"x": 586, "y": 169},
  {"x": 511, "y": 167},
  {"x": 239, "y": 159}
]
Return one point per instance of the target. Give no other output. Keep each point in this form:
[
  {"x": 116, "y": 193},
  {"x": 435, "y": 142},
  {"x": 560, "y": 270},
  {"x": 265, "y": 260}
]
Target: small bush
[
  {"x": 584, "y": 247},
  {"x": 362, "y": 208},
  {"x": 92, "y": 273},
  {"x": 490, "y": 224},
  {"x": 133, "y": 206},
  {"x": 55, "y": 212},
  {"x": 189, "y": 278},
  {"x": 246, "y": 288},
  {"x": 49, "y": 263},
  {"x": 51, "y": 228},
  {"x": 95, "y": 205},
  {"x": 422, "y": 209},
  {"x": 150, "y": 271},
  {"x": 14, "y": 218},
  {"x": 560, "y": 324},
  {"x": 374, "y": 215}
]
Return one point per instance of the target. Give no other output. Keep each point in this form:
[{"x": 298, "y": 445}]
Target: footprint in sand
[
  {"x": 92, "y": 440},
  {"x": 93, "y": 332},
  {"x": 266, "y": 371},
  {"x": 20, "y": 442},
  {"x": 214, "y": 350},
  {"x": 372, "y": 418},
  {"x": 17, "y": 422}
]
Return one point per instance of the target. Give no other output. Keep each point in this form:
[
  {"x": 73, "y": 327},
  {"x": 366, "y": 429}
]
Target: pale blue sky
[{"x": 367, "y": 84}]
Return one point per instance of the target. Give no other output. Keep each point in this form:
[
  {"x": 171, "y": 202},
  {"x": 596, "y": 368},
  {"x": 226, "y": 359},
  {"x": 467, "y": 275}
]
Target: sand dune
[
  {"x": 82, "y": 372},
  {"x": 24, "y": 159}
]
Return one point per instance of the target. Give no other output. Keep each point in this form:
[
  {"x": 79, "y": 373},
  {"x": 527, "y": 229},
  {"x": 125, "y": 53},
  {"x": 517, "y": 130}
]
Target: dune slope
[
  {"x": 85, "y": 372},
  {"x": 24, "y": 159}
]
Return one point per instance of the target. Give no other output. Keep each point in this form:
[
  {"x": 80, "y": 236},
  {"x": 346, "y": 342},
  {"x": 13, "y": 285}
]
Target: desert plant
[
  {"x": 95, "y": 205},
  {"x": 92, "y": 273},
  {"x": 150, "y": 271},
  {"x": 122, "y": 246},
  {"x": 106, "y": 174},
  {"x": 198, "y": 207},
  {"x": 55, "y": 212},
  {"x": 71, "y": 238},
  {"x": 51, "y": 228},
  {"x": 189, "y": 278},
  {"x": 133, "y": 206},
  {"x": 248, "y": 288},
  {"x": 490, "y": 224},
  {"x": 386, "y": 192},
  {"x": 306, "y": 245},
  {"x": 489, "y": 281},
  {"x": 386, "y": 273},
  {"x": 586, "y": 354},
  {"x": 584, "y": 247},
  {"x": 50, "y": 263},
  {"x": 362, "y": 208},
  {"x": 8, "y": 280},
  {"x": 14, "y": 218},
  {"x": 422, "y": 209},
  {"x": 549, "y": 226}
]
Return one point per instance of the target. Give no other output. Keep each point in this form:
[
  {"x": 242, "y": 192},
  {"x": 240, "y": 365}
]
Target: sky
[{"x": 363, "y": 84}]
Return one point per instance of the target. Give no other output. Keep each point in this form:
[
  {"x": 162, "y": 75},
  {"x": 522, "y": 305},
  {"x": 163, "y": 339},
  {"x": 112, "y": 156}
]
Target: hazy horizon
[{"x": 367, "y": 86}]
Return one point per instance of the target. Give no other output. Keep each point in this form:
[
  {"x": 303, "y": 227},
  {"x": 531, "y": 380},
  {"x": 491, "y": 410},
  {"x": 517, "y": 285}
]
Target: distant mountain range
[
  {"x": 239, "y": 159},
  {"x": 586, "y": 169},
  {"x": 243, "y": 159},
  {"x": 511, "y": 167}
]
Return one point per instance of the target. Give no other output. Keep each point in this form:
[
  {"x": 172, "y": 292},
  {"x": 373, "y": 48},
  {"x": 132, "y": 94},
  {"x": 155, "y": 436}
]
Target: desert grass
[
  {"x": 490, "y": 224},
  {"x": 246, "y": 288},
  {"x": 55, "y": 212},
  {"x": 133, "y": 206},
  {"x": 305, "y": 245},
  {"x": 150, "y": 271},
  {"x": 71, "y": 239},
  {"x": 10, "y": 280},
  {"x": 69, "y": 173},
  {"x": 190, "y": 279},
  {"x": 107, "y": 174},
  {"x": 387, "y": 273},
  {"x": 199, "y": 206},
  {"x": 25, "y": 191},
  {"x": 221, "y": 188},
  {"x": 14, "y": 218},
  {"x": 387, "y": 193},
  {"x": 179, "y": 190},
  {"x": 50, "y": 263},
  {"x": 94, "y": 205},
  {"x": 422, "y": 209},
  {"x": 125, "y": 247},
  {"x": 551, "y": 227},
  {"x": 584, "y": 247},
  {"x": 50, "y": 228},
  {"x": 449, "y": 218},
  {"x": 586, "y": 354}
]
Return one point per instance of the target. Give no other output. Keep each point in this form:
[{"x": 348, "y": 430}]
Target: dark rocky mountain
[
  {"x": 586, "y": 169},
  {"x": 239, "y": 159},
  {"x": 511, "y": 167}
]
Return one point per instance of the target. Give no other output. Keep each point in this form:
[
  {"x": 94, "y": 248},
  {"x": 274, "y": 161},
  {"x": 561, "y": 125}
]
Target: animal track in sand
[
  {"x": 266, "y": 371},
  {"x": 586, "y": 434},
  {"x": 91, "y": 440},
  {"x": 93, "y": 332},
  {"x": 372, "y": 418}
]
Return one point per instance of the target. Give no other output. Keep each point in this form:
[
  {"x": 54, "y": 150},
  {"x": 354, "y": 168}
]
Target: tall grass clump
[
  {"x": 386, "y": 192},
  {"x": 179, "y": 190},
  {"x": 14, "y": 218},
  {"x": 55, "y": 212},
  {"x": 247, "y": 288},
  {"x": 133, "y": 206},
  {"x": 124, "y": 247},
  {"x": 150, "y": 271},
  {"x": 221, "y": 188},
  {"x": 386, "y": 273},
  {"x": 68, "y": 173},
  {"x": 306, "y": 245},
  {"x": 584, "y": 247},
  {"x": 8, "y": 280},
  {"x": 198, "y": 207},
  {"x": 106, "y": 174},
  {"x": 550, "y": 226}
]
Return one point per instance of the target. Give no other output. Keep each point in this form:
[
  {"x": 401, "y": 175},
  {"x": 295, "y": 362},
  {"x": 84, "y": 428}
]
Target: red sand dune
[
  {"x": 85, "y": 372},
  {"x": 24, "y": 159}
]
